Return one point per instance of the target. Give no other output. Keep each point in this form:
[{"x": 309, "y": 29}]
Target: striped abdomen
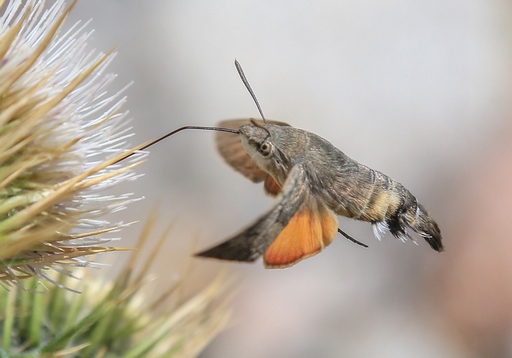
[{"x": 368, "y": 195}]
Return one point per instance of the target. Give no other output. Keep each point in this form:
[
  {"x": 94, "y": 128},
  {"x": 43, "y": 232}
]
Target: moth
[{"x": 313, "y": 182}]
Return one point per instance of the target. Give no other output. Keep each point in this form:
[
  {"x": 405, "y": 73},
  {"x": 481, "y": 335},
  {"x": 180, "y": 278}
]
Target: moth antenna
[
  {"x": 248, "y": 86},
  {"x": 256, "y": 124},
  {"x": 155, "y": 141}
]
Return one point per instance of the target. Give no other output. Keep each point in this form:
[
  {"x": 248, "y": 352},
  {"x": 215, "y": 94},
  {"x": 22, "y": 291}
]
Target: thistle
[
  {"x": 62, "y": 143},
  {"x": 61, "y": 137},
  {"x": 111, "y": 319}
]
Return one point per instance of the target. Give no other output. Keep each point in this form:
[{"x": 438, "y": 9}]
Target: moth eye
[{"x": 265, "y": 148}]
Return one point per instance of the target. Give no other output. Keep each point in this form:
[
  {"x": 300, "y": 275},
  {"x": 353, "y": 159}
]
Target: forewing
[
  {"x": 230, "y": 148},
  {"x": 252, "y": 242}
]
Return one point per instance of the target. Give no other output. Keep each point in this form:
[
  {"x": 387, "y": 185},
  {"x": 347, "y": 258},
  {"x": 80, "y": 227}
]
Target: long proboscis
[{"x": 153, "y": 142}]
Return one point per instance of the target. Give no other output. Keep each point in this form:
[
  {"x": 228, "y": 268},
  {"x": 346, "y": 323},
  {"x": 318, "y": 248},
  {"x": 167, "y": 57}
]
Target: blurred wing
[
  {"x": 231, "y": 149},
  {"x": 254, "y": 241},
  {"x": 309, "y": 231}
]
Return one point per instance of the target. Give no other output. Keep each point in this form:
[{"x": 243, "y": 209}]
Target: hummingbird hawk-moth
[{"x": 313, "y": 182}]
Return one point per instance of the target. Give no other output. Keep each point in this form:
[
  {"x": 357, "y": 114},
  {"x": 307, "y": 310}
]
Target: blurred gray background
[{"x": 419, "y": 90}]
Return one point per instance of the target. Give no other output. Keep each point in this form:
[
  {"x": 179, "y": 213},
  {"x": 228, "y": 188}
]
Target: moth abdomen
[
  {"x": 381, "y": 196},
  {"x": 387, "y": 204},
  {"x": 418, "y": 219},
  {"x": 405, "y": 211}
]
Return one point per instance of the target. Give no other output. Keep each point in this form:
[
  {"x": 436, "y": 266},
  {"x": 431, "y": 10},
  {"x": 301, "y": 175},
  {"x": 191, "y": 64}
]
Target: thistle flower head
[
  {"x": 61, "y": 138},
  {"x": 111, "y": 319}
]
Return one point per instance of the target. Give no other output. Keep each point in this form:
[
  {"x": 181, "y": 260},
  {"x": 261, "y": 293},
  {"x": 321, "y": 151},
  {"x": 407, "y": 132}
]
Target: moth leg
[{"x": 351, "y": 238}]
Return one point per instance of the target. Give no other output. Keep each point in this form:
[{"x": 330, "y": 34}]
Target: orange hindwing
[
  {"x": 307, "y": 233},
  {"x": 271, "y": 187}
]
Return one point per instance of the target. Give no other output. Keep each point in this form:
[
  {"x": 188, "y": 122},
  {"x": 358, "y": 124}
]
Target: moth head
[
  {"x": 262, "y": 143},
  {"x": 257, "y": 141}
]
